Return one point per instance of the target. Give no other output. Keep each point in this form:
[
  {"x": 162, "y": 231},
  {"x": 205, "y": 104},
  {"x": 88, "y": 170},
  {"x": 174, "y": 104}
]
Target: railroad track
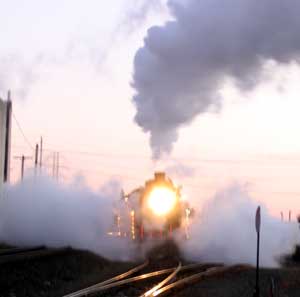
[
  {"x": 17, "y": 254},
  {"x": 174, "y": 279},
  {"x": 14, "y": 251},
  {"x": 160, "y": 290}
]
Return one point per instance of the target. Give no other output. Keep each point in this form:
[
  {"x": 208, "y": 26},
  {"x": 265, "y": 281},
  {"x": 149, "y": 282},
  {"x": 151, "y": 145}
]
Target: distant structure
[{"x": 5, "y": 138}]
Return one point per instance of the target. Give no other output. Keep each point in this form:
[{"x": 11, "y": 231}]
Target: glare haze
[{"x": 70, "y": 67}]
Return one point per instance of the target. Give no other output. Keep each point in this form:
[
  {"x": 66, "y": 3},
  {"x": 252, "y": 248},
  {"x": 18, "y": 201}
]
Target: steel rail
[
  {"x": 88, "y": 290},
  {"x": 142, "y": 277},
  {"x": 102, "y": 287},
  {"x": 29, "y": 254},
  {"x": 13, "y": 251},
  {"x": 193, "y": 278},
  {"x": 163, "y": 282}
]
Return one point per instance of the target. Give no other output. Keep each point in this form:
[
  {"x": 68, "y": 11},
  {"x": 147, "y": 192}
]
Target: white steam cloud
[
  {"x": 225, "y": 231},
  {"x": 182, "y": 66},
  {"x": 43, "y": 212}
]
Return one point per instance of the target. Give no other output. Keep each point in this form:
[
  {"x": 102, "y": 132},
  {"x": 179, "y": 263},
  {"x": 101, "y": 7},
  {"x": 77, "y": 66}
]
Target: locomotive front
[
  {"x": 160, "y": 205},
  {"x": 154, "y": 211}
]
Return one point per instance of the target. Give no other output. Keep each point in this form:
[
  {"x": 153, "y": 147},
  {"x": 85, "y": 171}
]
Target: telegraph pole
[
  {"x": 23, "y": 159},
  {"x": 257, "y": 226},
  {"x": 57, "y": 165},
  {"x": 54, "y": 165},
  {"x": 36, "y": 159},
  {"x": 7, "y": 138}
]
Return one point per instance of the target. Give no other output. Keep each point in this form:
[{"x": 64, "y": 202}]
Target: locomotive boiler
[{"x": 153, "y": 211}]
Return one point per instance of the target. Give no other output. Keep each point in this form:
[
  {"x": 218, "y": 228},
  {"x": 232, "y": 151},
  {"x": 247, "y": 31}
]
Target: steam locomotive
[{"x": 153, "y": 211}]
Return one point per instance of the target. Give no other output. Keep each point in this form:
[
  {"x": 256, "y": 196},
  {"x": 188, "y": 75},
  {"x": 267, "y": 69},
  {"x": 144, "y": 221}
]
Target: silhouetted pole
[
  {"x": 22, "y": 167},
  {"x": 290, "y": 215},
  {"x": 36, "y": 158},
  {"x": 281, "y": 214},
  {"x": 54, "y": 165},
  {"x": 7, "y": 138},
  {"x": 57, "y": 165},
  {"x": 257, "y": 225},
  {"x": 22, "y": 158}
]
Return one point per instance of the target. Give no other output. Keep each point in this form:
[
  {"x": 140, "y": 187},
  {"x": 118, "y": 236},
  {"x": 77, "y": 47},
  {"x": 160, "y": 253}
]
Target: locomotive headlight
[{"x": 161, "y": 200}]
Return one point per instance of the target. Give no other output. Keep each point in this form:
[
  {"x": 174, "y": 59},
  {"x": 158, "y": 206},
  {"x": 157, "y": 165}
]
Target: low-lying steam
[
  {"x": 182, "y": 66},
  {"x": 43, "y": 212},
  {"x": 39, "y": 211},
  {"x": 225, "y": 231}
]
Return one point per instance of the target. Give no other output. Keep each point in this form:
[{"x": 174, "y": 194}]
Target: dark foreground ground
[{"x": 71, "y": 270}]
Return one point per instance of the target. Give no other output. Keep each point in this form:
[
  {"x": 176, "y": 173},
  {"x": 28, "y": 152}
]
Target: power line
[
  {"x": 185, "y": 184},
  {"x": 189, "y": 159},
  {"x": 22, "y": 132},
  {"x": 119, "y": 168}
]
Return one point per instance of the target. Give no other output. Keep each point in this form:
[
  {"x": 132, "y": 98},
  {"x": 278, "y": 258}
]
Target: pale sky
[{"x": 69, "y": 65}]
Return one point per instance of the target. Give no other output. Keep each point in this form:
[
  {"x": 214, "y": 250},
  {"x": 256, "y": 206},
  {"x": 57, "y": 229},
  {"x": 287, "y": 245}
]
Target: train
[{"x": 156, "y": 210}]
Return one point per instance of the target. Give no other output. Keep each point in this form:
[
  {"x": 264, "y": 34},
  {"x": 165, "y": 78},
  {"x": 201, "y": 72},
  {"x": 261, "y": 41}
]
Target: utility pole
[
  {"x": 257, "y": 227},
  {"x": 57, "y": 165},
  {"x": 36, "y": 159},
  {"x": 290, "y": 215},
  {"x": 7, "y": 138},
  {"x": 54, "y": 165},
  {"x": 23, "y": 159}
]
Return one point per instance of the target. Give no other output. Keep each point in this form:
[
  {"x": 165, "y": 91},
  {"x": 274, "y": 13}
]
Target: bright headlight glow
[{"x": 161, "y": 200}]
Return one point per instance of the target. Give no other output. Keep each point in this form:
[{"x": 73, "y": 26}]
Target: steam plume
[
  {"x": 225, "y": 231},
  {"x": 182, "y": 66}
]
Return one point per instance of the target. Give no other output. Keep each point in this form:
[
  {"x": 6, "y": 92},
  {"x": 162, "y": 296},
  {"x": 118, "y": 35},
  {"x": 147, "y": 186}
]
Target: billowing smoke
[
  {"x": 43, "y": 212},
  {"x": 179, "y": 71},
  {"x": 225, "y": 231}
]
